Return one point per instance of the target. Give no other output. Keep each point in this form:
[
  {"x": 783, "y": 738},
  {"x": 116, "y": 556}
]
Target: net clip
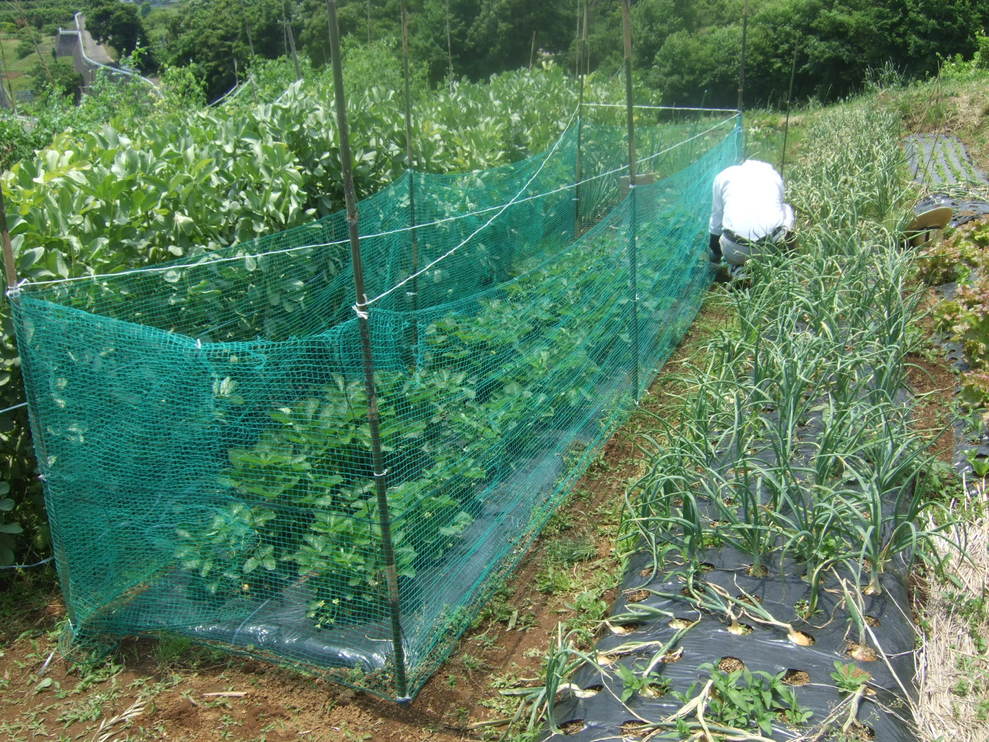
[{"x": 14, "y": 291}]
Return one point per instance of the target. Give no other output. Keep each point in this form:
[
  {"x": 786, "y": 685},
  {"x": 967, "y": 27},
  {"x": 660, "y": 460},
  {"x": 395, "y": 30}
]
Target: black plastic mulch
[
  {"x": 943, "y": 165},
  {"x": 597, "y": 712}
]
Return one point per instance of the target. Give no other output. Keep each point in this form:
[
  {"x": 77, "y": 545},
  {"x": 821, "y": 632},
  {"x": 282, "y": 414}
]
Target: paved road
[{"x": 96, "y": 52}]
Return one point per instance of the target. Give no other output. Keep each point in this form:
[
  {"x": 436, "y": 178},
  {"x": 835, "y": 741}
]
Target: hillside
[{"x": 552, "y": 611}]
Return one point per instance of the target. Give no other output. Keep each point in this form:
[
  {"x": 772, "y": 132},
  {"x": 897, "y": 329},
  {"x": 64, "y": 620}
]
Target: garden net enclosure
[{"x": 202, "y": 426}]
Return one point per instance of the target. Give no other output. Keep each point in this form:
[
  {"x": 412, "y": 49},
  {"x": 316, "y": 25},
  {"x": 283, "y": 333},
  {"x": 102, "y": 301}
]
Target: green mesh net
[{"x": 202, "y": 429}]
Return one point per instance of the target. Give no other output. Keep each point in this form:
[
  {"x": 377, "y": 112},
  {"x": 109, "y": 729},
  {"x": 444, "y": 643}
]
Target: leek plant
[{"x": 796, "y": 439}]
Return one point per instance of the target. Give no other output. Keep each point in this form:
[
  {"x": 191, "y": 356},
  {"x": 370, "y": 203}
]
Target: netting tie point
[
  {"x": 404, "y": 700},
  {"x": 14, "y": 291},
  {"x": 199, "y": 343},
  {"x": 359, "y": 311},
  {"x": 381, "y": 475}
]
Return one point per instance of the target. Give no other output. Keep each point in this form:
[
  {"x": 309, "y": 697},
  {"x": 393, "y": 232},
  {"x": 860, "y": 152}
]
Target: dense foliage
[
  {"x": 163, "y": 181},
  {"x": 688, "y": 51},
  {"x": 964, "y": 317},
  {"x": 117, "y": 24}
]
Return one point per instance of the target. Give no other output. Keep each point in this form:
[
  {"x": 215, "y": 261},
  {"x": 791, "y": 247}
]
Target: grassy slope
[{"x": 18, "y": 71}]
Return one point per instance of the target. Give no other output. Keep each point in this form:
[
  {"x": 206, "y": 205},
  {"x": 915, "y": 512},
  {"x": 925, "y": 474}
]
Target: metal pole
[
  {"x": 741, "y": 68},
  {"x": 410, "y": 164},
  {"x": 9, "y": 267},
  {"x": 789, "y": 97},
  {"x": 632, "y": 274},
  {"x": 377, "y": 457}
]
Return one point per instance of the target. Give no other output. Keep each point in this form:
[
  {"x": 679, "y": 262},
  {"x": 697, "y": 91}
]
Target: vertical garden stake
[
  {"x": 9, "y": 268},
  {"x": 410, "y": 165},
  {"x": 377, "y": 457},
  {"x": 290, "y": 35},
  {"x": 741, "y": 66},
  {"x": 578, "y": 165},
  {"x": 449, "y": 47},
  {"x": 632, "y": 277},
  {"x": 789, "y": 97}
]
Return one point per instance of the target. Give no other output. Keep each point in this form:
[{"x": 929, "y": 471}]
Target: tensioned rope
[
  {"x": 662, "y": 108},
  {"x": 360, "y": 308},
  {"x": 335, "y": 243},
  {"x": 357, "y": 307}
]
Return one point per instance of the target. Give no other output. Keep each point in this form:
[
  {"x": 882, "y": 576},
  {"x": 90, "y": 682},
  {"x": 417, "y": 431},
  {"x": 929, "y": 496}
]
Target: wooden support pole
[
  {"x": 363, "y": 320},
  {"x": 633, "y": 202}
]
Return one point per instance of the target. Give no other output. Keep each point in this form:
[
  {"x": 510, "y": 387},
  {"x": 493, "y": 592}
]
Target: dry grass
[{"x": 953, "y": 664}]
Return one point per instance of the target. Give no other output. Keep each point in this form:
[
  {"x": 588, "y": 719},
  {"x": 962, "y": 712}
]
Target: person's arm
[
  {"x": 717, "y": 205},
  {"x": 715, "y": 226}
]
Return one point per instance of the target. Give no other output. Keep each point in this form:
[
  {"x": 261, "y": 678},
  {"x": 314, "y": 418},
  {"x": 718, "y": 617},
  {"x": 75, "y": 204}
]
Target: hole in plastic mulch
[
  {"x": 633, "y": 729},
  {"x": 573, "y": 726},
  {"x": 861, "y": 652},
  {"x": 796, "y": 677},
  {"x": 800, "y": 638},
  {"x": 621, "y": 629},
  {"x": 637, "y": 596},
  {"x": 730, "y": 664},
  {"x": 739, "y": 629}
]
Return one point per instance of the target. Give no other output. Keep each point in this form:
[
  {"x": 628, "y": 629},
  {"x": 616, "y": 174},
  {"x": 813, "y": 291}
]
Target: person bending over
[{"x": 748, "y": 213}]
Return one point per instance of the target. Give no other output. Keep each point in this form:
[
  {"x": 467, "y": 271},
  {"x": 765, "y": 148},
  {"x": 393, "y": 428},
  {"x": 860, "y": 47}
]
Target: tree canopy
[{"x": 690, "y": 50}]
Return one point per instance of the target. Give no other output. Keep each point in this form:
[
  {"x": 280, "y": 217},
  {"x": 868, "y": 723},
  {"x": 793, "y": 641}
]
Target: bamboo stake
[
  {"x": 449, "y": 46},
  {"x": 410, "y": 165},
  {"x": 9, "y": 267},
  {"x": 5, "y": 70},
  {"x": 632, "y": 260},
  {"x": 247, "y": 29},
  {"x": 290, "y": 34},
  {"x": 789, "y": 98},
  {"x": 578, "y": 161},
  {"x": 741, "y": 68},
  {"x": 361, "y": 308}
]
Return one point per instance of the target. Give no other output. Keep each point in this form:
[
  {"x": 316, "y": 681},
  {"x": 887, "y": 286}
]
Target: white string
[
  {"x": 515, "y": 199},
  {"x": 662, "y": 108},
  {"x": 27, "y": 566},
  {"x": 388, "y": 233}
]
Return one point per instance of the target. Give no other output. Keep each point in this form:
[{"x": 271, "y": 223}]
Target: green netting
[{"x": 202, "y": 426}]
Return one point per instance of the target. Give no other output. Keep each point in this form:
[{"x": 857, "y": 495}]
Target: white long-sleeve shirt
[{"x": 748, "y": 201}]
